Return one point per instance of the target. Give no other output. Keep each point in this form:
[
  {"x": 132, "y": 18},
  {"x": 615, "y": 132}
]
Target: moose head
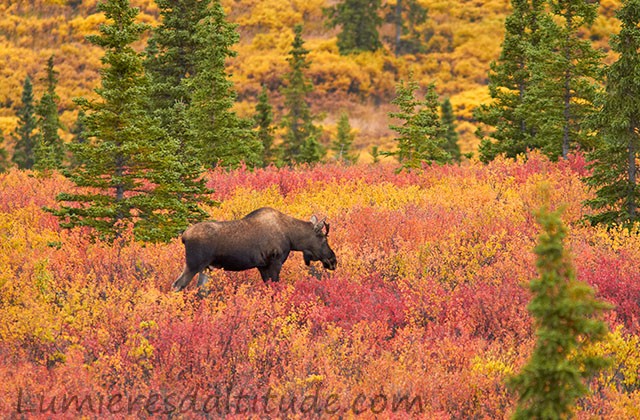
[{"x": 318, "y": 247}]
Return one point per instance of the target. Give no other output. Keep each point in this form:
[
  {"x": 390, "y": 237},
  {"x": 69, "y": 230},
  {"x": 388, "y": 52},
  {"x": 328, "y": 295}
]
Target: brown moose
[{"x": 262, "y": 239}]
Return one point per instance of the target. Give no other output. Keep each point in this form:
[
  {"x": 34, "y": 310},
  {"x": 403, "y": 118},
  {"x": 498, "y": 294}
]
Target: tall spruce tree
[
  {"x": 343, "y": 142},
  {"x": 449, "y": 133},
  {"x": 509, "y": 80},
  {"x": 25, "y": 135},
  {"x": 562, "y": 89},
  {"x": 419, "y": 136},
  {"x": 301, "y": 144},
  {"x": 223, "y": 137},
  {"x": 359, "y": 21},
  {"x": 564, "y": 310},
  {"x": 171, "y": 54},
  {"x": 130, "y": 164},
  {"x": 171, "y": 59},
  {"x": 614, "y": 161},
  {"x": 264, "y": 126},
  {"x": 49, "y": 150}
]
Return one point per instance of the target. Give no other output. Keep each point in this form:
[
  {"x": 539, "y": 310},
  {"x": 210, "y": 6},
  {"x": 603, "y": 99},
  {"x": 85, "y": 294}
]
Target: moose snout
[{"x": 331, "y": 263}]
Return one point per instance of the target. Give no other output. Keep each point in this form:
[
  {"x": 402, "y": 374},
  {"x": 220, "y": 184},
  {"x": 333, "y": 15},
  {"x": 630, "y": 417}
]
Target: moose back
[{"x": 262, "y": 239}]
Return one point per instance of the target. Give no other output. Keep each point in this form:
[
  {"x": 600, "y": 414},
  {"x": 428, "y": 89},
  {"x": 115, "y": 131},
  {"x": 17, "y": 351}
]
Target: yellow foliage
[
  {"x": 618, "y": 237},
  {"x": 87, "y": 25},
  {"x": 245, "y": 201},
  {"x": 141, "y": 351},
  {"x": 625, "y": 406},
  {"x": 623, "y": 350},
  {"x": 490, "y": 365}
]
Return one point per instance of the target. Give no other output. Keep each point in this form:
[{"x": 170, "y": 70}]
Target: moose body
[{"x": 263, "y": 239}]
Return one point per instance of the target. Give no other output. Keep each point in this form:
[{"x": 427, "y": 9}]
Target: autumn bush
[{"x": 426, "y": 312}]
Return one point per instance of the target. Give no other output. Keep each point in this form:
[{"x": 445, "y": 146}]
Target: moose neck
[{"x": 300, "y": 235}]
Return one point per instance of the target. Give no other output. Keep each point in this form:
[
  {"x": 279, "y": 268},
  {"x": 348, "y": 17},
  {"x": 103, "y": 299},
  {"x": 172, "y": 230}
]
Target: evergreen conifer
[
  {"x": 406, "y": 16},
  {"x": 25, "y": 135},
  {"x": 223, "y": 138},
  {"x": 419, "y": 137},
  {"x": 263, "y": 122},
  {"x": 49, "y": 150},
  {"x": 564, "y": 309},
  {"x": 359, "y": 21},
  {"x": 614, "y": 160},
  {"x": 4, "y": 164},
  {"x": 509, "y": 80},
  {"x": 343, "y": 142},
  {"x": 132, "y": 168},
  {"x": 449, "y": 133},
  {"x": 562, "y": 87},
  {"x": 301, "y": 144}
]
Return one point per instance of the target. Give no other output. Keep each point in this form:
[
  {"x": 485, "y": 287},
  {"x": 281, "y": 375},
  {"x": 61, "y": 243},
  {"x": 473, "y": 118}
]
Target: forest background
[{"x": 460, "y": 37}]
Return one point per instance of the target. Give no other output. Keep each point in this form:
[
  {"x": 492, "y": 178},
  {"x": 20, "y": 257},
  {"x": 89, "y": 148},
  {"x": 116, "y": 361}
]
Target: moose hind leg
[{"x": 202, "y": 279}]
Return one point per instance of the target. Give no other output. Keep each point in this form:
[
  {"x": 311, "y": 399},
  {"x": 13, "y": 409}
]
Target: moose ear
[
  {"x": 318, "y": 227},
  {"x": 326, "y": 226}
]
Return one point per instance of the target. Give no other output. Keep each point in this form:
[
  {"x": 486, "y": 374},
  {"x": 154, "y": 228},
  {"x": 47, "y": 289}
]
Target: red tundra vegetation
[{"x": 426, "y": 313}]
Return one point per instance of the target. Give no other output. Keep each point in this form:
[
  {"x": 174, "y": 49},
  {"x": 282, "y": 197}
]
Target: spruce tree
[
  {"x": 78, "y": 130},
  {"x": 128, "y": 162},
  {"x": 375, "y": 154},
  {"x": 49, "y": 151},
  {"x": 509, "y": 80},
  {"x": 301, "y": 144},
  {"x": 359, "y": 21},
  {"x": 419, "y": 136},
  {"x": 171, "y": 54},
  {"x": 406, "y": 16},
  {"x": 343, "y": 142},
  {"x": 449, "y": 133},
  {"x": 562, "y": 89},
  {"x": 223, "y": 138},
  {"x": 25, "y": 135},
  {"x": 311, "y": 151},
  {"x": 564, "y": 310},
  {"x": 263, "y": 123},
  {"x": 171, "y": 59},
  {"x": 614, "y": 161}
]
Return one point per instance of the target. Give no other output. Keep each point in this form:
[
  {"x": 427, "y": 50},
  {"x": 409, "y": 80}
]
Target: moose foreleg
[{"x": 271, "y": 272}]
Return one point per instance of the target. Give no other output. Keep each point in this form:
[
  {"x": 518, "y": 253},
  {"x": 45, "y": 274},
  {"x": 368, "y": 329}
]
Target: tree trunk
[
  {"x": 566, "y": 115},
  {"x": 567, "y": 91},
  {"x": 631, "y": 197},
  {"x": 119, "y": 190},
  {"x": 398, "y": 25}
]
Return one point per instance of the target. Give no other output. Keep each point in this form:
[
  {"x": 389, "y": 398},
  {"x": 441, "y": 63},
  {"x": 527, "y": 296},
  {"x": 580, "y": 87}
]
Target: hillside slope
[{"x": 464, "y": 37}]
